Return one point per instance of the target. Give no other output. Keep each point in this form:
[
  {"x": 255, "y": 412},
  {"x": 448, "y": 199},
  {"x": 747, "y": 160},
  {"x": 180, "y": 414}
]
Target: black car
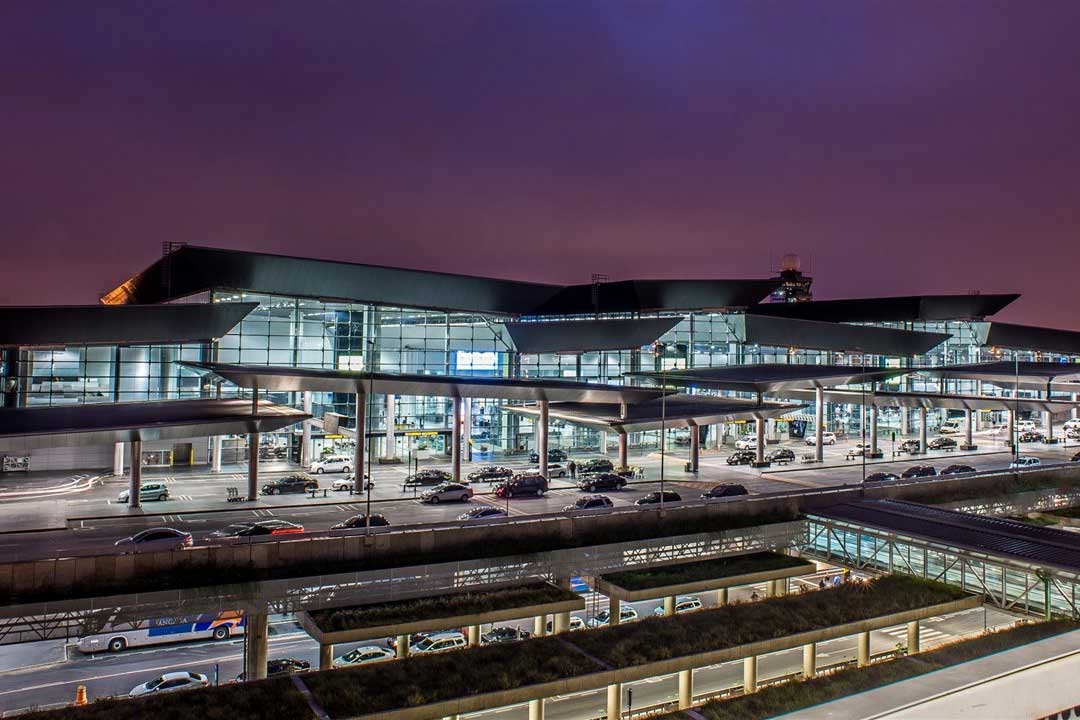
[
  {"x": 1076, "y": 457},
  {"x": 916, "y": 471},
  {"x": 881, "y": 477},
  {"x": 742, "y": 457},
  {"x": 296, "y": 483},
  {"x": 602, "y": 481},
  {"x": 499, "y": 635},
  {"x": 653, "y": 498},
  {"x": 554, "y": 455},
  {"x": 725, "y": 490},
  {"x": 357, "y": 521},
  {"x": 941, "y": 443},
  {"x": 957, "y": 469},
  {"x": 489, "y": 473},
  {"x": 523, "y": 485},
  {"x": 909, "y": 446},
  {"x": 260, "y": 528},
  {"x": 781, "y": 455},
  {"x": 1031, "y": 436},
  {"x": 590, "y": 502},
  {"x": 282, "y": 666},
  {"x": 429, "y": 477},
  {"x": 595, "y": 465}
]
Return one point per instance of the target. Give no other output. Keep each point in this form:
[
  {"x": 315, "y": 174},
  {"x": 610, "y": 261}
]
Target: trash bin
[{"x": 687, "y": 467}]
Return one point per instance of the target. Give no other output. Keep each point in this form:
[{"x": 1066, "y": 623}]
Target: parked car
[
  {"x": 1071, "y": 424},
  {"x": 742, "y": 457},
  {"x": 295, "y": 483},
  {"x": 554, "y": 455},
  {"x": 441, "y": 642},
  {"x": 334, "y": 463},
  {"x": 484, "y": 512},
  {"x": 576, "y": 623},
  {"x": 490, "y": 473},
  {"x": 941, "y": 443},
  {"x": 169, "y": 682},
  {"x": 1031, "y": 436},
  {"x": 957, "y": 469},
  {"x": 781, "y": 455},
  {"x": 595, "y": 465},
  {"x": 590, "y": 502},
  {"x": 1026, "y": 426},
  {"x": 626, "y": 614},
  {"x": 504, "y": 634},
  {"x": 148, "y": 492},
  {"x": 1075, "y": 458},
  {"x": 447, "y": 492},
  {"x": 363, "y": 655},
  {"x": 523, "y": 485},
  {"x": 553, "y": 470},
  {"x": 1024, "y": 461},
  {"x": 1073, "y": 434},
  {"x": 724, "y": 490},
  {"x": 653, "y": 498},
  {"x": 747, "y": 442},
  {"x": 827, "y": 438},
  {"x": 358, "y": 521},
  {"x": 347, "y": 483},
  {"x": 910, "y": 446},
  {"x": 281, "y": 666},
  {"x": 602, "y": 481},
  {"x": 917, "y": 471},
  {"x": 429, "y": 477},
  {"x": 258, "y": 529},
  {"x": 682, "y": 605},
  {"x": 154, "y": 540},
  {"x": 881, "y": 477}
]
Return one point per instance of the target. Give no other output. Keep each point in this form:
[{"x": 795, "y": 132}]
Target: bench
[
  {"x": 233, "y": 495},
  {"x": 315, "y": 490},
  {"x": 808, "y": 458}
]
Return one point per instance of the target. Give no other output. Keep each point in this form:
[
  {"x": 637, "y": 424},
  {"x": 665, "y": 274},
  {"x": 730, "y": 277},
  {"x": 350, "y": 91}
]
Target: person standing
[{"x": 572, "y": 467}]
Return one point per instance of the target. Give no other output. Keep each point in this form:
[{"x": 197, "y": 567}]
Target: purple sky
[{"x": 906, "y": 147}]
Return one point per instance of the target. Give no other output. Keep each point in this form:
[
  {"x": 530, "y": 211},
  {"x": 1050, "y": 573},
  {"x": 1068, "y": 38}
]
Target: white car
[
  {"x": 1026, "y": 426},
  {"x": 154, "y": 540},
  {"x": 170, "y": 682},
  {"x": 554, "y": 470},
  {"x": 346, "y": 483},
  {"x": 363, "y": 655},
  {"x": 576, "y": 623},
  {"x": 827, "y": 438},
  {"x": 746, "y": 443},
  {"x": 334, "y": 463},
  {"x": 1024, "y": 461},
  {"x": 682, "y": 605},
  {"x": 626, "y": 614},
  {"x": 1073, "y": 424},
  {"x": 442, "y": 642},
  {"x": 447, "y": 492}
]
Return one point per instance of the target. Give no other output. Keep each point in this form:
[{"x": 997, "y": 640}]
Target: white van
[
  {"x": 953, "y": 426},
  {"x": 334, "y": 463}
]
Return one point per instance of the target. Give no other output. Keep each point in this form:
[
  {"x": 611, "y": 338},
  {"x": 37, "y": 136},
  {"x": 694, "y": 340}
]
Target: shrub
[{"x": 704, "y": 570}]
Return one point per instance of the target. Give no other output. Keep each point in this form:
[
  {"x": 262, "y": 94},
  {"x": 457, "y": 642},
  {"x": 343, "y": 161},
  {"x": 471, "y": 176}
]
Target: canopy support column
[
  {"x": 542, "y": 437},
  {"x": 361, "y": 437},
  {"x": 455, "y": 439},
  {"x": 134, "y": 500},
  {"x": 819, "y": 409}
]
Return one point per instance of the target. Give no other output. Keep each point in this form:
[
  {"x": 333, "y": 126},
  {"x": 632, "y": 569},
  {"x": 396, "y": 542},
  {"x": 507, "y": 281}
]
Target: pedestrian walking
[{"x": 572, "y": 467}]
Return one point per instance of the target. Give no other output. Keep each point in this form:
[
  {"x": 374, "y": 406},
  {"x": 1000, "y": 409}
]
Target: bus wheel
[
  {"x": 117, "y": 644},
  {"x": 221, "y": 633}
]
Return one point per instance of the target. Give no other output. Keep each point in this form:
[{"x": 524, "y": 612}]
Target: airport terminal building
[{"x": 204, "y": 305}]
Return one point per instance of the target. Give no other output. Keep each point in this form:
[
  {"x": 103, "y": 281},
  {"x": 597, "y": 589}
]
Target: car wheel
[
  {"x": 464, "y": 498},
  {"x": 275, "y": 491},
  {"x": 434, "y": 500},
  {"x": 345, "y": 469},
  {"x": 221, "y": 633},
  {"x": 540, "y": 492},
  {"x": 117, "y": 644},
  {"x": 318, "y": 471},
  {"x": 590, "y": 488},
  {"x": 162, "y": 498}
]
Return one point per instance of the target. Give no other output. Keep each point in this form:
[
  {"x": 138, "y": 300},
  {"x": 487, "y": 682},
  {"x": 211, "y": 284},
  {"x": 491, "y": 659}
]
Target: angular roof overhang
[
  {"x": 32, "y": 428},
  {"x": 569, "y": 336},
  {"x": 769, "y": 377},
  {"x": 290, "y": 379},
  {"x": 1058, "y": 377},
  {"x": 118, "y": 325},
  {"x": 931, "y": 400},
  {"x": 674, "y": 411},
  {"x": 819, "y": 335},
  {"x": 910, "y": 308},
  {"x": 656, "y": 295},
  {"x": 1028, "y": 337}
]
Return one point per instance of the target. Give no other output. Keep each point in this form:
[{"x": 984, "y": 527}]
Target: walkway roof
[
  {"x": 1061, "y": 377},
  {"x": 932, "y": 400},
  {"x": 910, "y": 308},
  {"x": 1028, "y": 337},
  {"x": 818, "y": 335},
  {"x": 674, "y": 411},
  {"x": 573, "y": 336},
  {"x": 1034, "y": 545},
  {"x": 770, "y": 377},
  {"x": 101, "y": 424},
  {"x": 290, "y": 379}
]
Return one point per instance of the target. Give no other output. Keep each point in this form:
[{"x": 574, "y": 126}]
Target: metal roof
[
  {"x": 932, "y": 400},
  {"x": 674, "y": 411},
  {"x": 1035, "y": 545},
  {"x": 1028, "y": 337},
  {"x": 653, "y": 295},
  {"x": 65, "y": 325},
  {"x": 769, "y": 377},
  {"x": 568, "y": 336},
  {"x": 818, "y": 335},
  {"x": 291, "y": 379},
  {"x": 1060, "y": 377},
  {"x": 100, "y": 424},
  {"x": 909, "y": 308}
]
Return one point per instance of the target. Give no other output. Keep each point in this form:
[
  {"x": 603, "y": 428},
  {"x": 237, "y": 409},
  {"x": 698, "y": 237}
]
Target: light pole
[
  {"x": 367, "y": 401},
  {"x": 663, "y": 426},
  {"x": 1016, "y": 411}
]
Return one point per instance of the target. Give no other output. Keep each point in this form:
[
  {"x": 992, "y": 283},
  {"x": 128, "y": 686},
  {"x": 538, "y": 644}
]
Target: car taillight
[
  {"x": 287, "y": 531},
  {"x": 188, "y": 541}
]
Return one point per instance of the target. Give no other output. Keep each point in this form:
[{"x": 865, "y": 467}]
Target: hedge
[{"x": 704, "y": 570}]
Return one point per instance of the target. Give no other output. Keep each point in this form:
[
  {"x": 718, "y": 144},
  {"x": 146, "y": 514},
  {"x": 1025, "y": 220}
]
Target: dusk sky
[{"x": 907, "y": 147}]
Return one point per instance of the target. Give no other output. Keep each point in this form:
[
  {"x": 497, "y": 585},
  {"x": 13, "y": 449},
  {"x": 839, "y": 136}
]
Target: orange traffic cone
[{"x": 80, "y": 695}]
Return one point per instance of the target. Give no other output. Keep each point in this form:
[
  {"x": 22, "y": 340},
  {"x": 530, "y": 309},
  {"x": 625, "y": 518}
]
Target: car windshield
[
  {"x": 155, "y": 682},
  {"x": 235, "y": 529},
  {"x": 425, "y": 644}
]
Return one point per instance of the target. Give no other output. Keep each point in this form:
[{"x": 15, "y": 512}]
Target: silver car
[
  {"x": 154, "y": 540},
  {"x": 447, "y": 492}
]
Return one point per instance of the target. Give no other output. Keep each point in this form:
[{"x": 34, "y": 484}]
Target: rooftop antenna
[{"x": 594, "y": 292}]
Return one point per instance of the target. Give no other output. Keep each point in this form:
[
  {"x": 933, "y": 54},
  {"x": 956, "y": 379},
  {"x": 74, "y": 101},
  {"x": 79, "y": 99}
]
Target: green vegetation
[
  {"x": 276, "y": 698},
  {"x": 789, "y": 697},
  {"x": 705, "y": 570},
  {"x": 706, "y": 630},
  {"x": 1039, "y": 521},
  {"x": 1073, "y": 512},
  {"x": 439, "y": 606},
  {"x": 427, "y": 679}
]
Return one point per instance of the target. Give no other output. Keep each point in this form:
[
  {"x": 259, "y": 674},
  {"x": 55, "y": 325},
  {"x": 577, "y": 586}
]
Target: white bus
[{"x": 220, "y": 626}]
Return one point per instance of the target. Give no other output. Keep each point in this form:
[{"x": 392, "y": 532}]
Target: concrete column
[
  {"x": 391, "y": 412},
  {"x": 603, "y": 442},
  {"x": 776, "y": 588},
  {"x": 326, "y": 656},
  {"x": 809, "y": 660},
  {"x": 695, "y": 447},
  {"x": 253, "y": 467},
  {"x": 759, "y": 430},
  {"x": 1010, "y": 427},
  {"x": 873, "y": 431},
  {"x": 614, "y": 701},
  {"x": 215, "y": 450},
  {"x": 722, "y": 596},
  {"x": 474, "y": 636},
  {"x": 305, "y": 437},
  {"x": 623, "y": 443},
  {"x": 467, "y": 429},
  {"x": 669, "y": 606},
  {"x": 1048, "y": 420},
  {"x": 913, "y": 637},
  {"x": 536, "y": 709},
  {"x": 864, "y": 649},
  {"x": 614, "y": 609},
  {"x": 403, "y": 646},
  {"x": 749, "y": 675},
  {"x": 540, "y": 626},
  {"x": 922, "y": 430},
  {"x": 969, "y": 428},
  {"x": 905, "y": 421},
  {"x": 560, "y": 623},
  {"x": 542, "y": 437},
  {"x": 686, "y": 689},
  {"x": 361, "y": 440},
  {"x": 455, "y": 440},
  {"x": 256, "y": 626},
  {"x": 1075, "y": 411},
  {"x": 819, "y": 409},
  {"x": 118, "y": 460},
  {"x": 134, "y": 500}
]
